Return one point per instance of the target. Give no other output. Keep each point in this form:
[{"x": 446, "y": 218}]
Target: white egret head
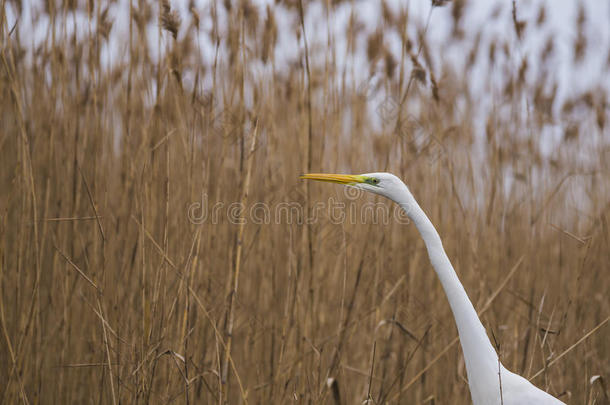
[{"x": 384, "y": 184}]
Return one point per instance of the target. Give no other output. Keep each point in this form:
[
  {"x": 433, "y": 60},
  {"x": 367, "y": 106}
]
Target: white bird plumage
[{"x": 485, "y": 372}]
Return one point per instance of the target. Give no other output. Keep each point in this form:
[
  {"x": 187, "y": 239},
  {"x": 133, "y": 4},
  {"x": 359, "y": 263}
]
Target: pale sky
[{"x": 560, "y": 23}]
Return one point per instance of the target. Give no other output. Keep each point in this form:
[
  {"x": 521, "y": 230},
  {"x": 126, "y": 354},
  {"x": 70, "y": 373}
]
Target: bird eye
[{"x": 374, "y": 181}]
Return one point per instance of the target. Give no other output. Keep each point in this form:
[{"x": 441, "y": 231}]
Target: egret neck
[{"x": 481, "y": 359}]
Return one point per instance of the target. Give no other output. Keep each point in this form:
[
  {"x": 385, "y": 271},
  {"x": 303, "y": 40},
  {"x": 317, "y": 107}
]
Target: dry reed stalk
[
  {"x": 572, "y": 347},
  {"x": 308, "y": 235},
  {"x": 236, "y": 270}
]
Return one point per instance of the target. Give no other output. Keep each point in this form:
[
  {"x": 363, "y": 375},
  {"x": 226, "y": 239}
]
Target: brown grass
[{"x": 110, "y": 294}]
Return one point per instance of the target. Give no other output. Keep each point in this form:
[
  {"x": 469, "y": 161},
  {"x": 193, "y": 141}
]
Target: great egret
[{"x": 485, "y": 373}]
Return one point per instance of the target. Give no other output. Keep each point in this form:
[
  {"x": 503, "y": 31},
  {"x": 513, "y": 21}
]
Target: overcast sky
[
  {"x": 561, "y": 16},
  {"x": 560, "y": 23}
]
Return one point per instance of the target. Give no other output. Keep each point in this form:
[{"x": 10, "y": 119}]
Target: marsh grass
[{"x": 109, "y": 294}]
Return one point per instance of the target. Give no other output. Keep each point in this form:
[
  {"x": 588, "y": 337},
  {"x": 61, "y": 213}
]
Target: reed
[{"x": 121, "y": 251}]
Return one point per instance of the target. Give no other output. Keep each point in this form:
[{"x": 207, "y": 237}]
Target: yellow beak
[{"x": 349, "y": 179}]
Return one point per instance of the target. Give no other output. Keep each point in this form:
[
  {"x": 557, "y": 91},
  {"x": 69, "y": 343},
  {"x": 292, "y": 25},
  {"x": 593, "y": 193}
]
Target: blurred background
[{"x": 137, "y": 139}]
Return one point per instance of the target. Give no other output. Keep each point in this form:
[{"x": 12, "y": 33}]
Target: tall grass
[{"x": 110, "y": 291}]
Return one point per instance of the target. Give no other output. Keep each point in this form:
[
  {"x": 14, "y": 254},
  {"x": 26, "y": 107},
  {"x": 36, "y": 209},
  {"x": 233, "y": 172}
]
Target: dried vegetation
[{"x": 110, "y": 294}]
